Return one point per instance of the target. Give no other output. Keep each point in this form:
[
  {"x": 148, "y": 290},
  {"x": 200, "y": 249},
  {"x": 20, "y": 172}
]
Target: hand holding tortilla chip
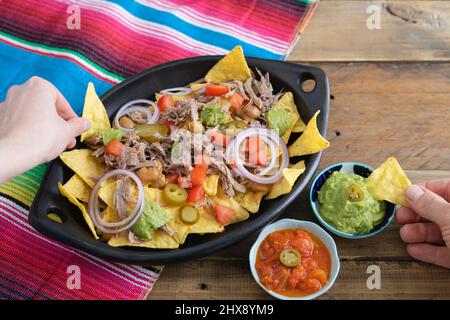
[{"x": 389, "y": 182}]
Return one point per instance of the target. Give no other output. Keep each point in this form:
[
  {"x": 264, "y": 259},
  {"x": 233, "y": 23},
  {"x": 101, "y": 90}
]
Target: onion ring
[
  {"x": 265, "y": 135},
  {"x": 125, "y": 224},
  {"x": 177, "y": 91},
  {"x": 152, "y": 117}
]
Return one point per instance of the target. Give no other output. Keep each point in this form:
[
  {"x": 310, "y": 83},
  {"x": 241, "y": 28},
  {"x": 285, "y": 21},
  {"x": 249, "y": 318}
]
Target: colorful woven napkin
[{"x": 72, "y": 42}]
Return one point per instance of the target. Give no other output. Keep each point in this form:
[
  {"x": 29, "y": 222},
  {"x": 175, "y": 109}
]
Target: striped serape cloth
[{"x": 72, "y": 42}]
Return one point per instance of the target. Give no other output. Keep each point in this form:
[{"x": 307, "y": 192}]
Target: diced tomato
[
  {"x": 196, "y": 194},
  {"x": 198, "y": 175},
  {"x": 115, "y": 148},
  {"x": 166, "y": 101},
  {"x": 172, "y": 177},
  {"x": 219, "y": 139},
  {"x": 224, "y": 215},
  {"x": 236, "y": 101},
  {"x": 216, "y": 90},
  {"x": 184, "y": 182},
  {"x": 257, "y": 151}
]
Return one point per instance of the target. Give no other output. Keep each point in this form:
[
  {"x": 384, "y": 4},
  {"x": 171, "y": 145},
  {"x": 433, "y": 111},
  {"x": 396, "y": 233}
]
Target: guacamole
[
  {"x": 153, "y": 217},
  {"x": 346, "y": 204},
  {"x": 279, "y": 119},
  {"x": 212, "y": 115}
]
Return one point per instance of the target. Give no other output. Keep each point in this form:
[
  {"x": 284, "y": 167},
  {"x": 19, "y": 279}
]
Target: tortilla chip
[
  {"x": 84, "y": 164},
  {"x": 206, "y": 224},
  {"x": 231, "y": 67},
  {"x": 290, "y": 175},
  {"x": 160, "y": 240},
  {"x": 311, "y": 141},
  {"x": 175, "y": 98},
  {"x": 95, "y": 112},
  {"x": 223, "y": 200},
  {"x": 389, "y": 182},
  {"x": 210, "y": 184},
  {"x": 54, "y": 217},
  {"x": 299, "y": 126},
  {"x": 287, "y": 103},
  {"x": 78, "y": 188},
  {"x": 197, "y": 86},
  {"x": 81, "y": 206},
  {"x": 250, "y": 200}
]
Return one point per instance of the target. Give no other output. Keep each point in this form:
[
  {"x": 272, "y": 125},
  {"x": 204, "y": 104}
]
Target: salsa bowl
[{"x": 311, "y": 227}]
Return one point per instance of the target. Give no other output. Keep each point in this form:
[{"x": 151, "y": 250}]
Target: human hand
[
  {"x": 426, "y": 229},
  {"x": 36, "y": 125}
]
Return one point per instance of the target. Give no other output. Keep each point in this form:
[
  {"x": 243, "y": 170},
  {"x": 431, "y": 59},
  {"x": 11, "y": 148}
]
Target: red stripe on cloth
[
  {"x": 44, "y": 271},
  {"x": 122, "y": 46},
  {"x": 260, "y": 16}
]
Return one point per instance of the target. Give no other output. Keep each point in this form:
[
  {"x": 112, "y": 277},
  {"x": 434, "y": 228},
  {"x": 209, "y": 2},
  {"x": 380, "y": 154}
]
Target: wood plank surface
[
  {"x": 409, "y": 31},
  {"x": 226, "y": 275},
  {"x": 390, "y": 96},
  {"x": 383, "y": 109},
  {"x": 215, "y": 278}
]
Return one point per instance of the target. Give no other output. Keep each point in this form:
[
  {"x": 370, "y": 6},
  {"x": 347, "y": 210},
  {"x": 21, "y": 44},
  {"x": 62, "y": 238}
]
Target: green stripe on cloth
[
  {"x": 23, "y": 188},
  {"x": 63, "y": 52}
]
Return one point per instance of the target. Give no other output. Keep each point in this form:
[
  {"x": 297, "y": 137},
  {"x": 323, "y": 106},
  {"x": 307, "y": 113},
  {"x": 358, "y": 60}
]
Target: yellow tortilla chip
[
  {"x": 197, "y": 86},
  {"x": 311, "y": 141},
  {"x": 160, "y": 240},
  {"x": 290, "y": 175},
  {"x": 78, "y": 188},
  {"x": 231, "y": 67},
  {"x": 81, "y": 206},
  {"x": 175, "y": 98},
  {"x": 206, "y": 224},
  {"x": 223, "y": 200},
  {"x": 54, "y": 217},
  {"x": 250, "y": 200},
  {"x": 287, "y": 103},
  {"x": 210, "y": 184},
  {"x": 389, "y": 182},
  {"x": 95, "y": 112},
  {"x": 299, "y": 126},
  {"x": 84, "y": 164}
]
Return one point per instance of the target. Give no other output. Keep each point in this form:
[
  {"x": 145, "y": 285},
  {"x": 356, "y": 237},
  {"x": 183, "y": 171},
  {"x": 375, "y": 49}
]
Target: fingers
[
  {"x": 63, "y": 107},
  {"x": 440, "y": 187},
  {"x": 72, "y": 143},
  {"x": 405, "y": 215},
  {"x": 430, "y": 254},
  {"x": 421, "y": 232},
  {"x": 76, "y": 126},
  {"x": 429, "y": 205}
]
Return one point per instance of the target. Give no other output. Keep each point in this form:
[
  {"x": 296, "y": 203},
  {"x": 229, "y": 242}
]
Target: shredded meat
[
  {"x": 121, "y": 196},
  {"x": 138, "y": 117},
  {"x": 180, "y": 112}
]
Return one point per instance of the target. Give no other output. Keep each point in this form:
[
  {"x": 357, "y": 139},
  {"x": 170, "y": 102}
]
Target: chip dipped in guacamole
[{"x": 347, "y": 205}]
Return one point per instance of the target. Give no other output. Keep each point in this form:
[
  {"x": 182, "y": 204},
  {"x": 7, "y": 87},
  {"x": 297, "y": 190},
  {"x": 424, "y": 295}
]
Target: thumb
[
  {"x": 429, "y": 205},
  {"x": 76, "y": 126}
]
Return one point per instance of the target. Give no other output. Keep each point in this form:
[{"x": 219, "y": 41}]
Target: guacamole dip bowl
[
  {"x": 310, "y": 227},
  {"x": 360, "y": 169}
]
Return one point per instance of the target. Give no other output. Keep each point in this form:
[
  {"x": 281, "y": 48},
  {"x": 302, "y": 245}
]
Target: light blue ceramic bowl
[
  {"x": 361, "y": 169},
  {"x": 297, "y": 224}
]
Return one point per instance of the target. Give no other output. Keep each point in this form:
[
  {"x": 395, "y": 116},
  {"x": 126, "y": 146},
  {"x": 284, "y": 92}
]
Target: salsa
[{"x": 310, "y": 270}]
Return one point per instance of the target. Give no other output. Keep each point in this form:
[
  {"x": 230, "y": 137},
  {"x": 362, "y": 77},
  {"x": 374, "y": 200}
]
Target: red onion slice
[
  {"x": 125, "y": 224},
  {"x": 135, "y": 105},
  {"x": 266, "y": 135},
  {"x": 177, "y": 91}
]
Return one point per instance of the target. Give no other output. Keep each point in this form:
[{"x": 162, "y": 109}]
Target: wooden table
[{"x": 390, "y": 96}]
